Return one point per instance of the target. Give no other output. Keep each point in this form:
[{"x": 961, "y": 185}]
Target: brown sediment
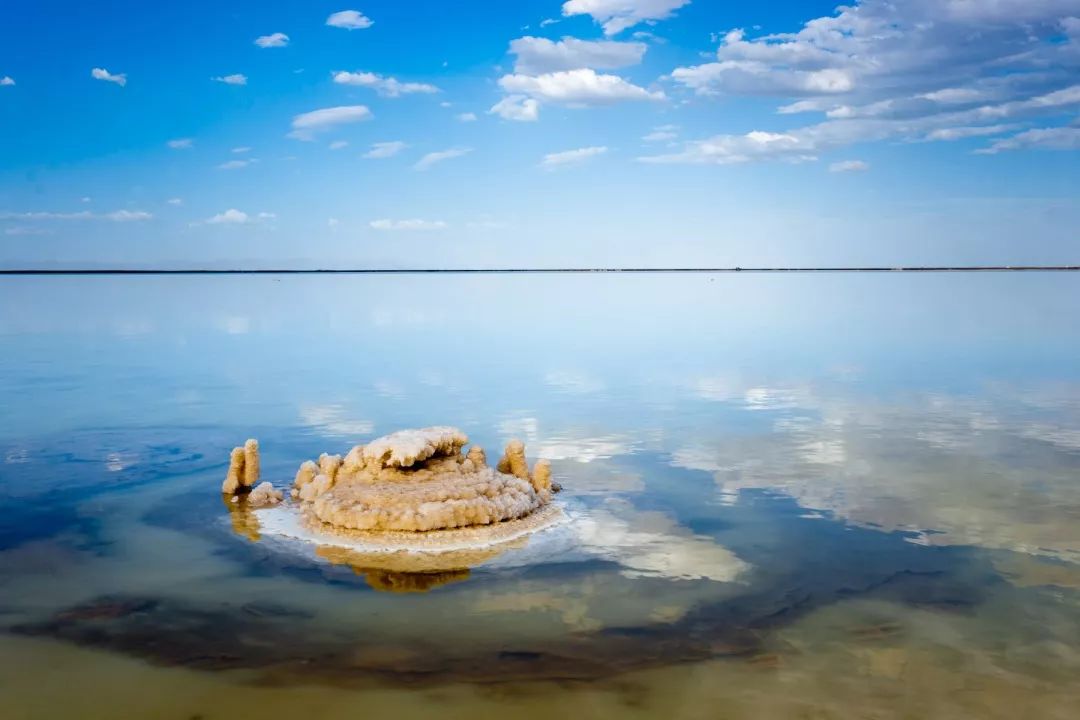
[{"x": 283, "y": 649}]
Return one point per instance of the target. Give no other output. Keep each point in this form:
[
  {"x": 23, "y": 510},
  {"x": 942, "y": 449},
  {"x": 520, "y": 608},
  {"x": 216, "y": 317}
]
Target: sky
[{"x": 539, "y": 133}]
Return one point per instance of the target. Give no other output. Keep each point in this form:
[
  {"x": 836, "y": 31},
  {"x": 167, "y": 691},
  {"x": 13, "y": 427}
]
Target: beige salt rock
[
  {"x": 264, "y": 495},
  {"x": 419, "y": 480},
  {"x": 477, "y": 456},
  {"x": 408, "y": 447},
  {"x": 541, "y": 476},
  {"x": 329, "y": 465},
  {"x": 235, "y": 473},
  {"x": 251, "y": 463},
  {"x": 513, "y": 460},
  {"x": 316, "y": 487},
  {"x": 307, "y": 472}
]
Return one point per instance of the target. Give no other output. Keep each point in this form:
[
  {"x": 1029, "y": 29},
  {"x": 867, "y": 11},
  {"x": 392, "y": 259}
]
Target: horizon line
[{"x": 527, "y": 270}]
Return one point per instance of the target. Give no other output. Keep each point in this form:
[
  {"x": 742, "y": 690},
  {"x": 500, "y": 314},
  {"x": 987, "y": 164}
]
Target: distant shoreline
[{"x": 496, "y": 271}]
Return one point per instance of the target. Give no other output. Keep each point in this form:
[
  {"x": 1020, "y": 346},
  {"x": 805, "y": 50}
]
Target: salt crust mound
[
  {"x": 419, "y": 480},
  {"x": 242, "y": 476}
]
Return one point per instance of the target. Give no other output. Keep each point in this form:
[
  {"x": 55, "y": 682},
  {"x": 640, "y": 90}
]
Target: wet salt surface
[{"x": 834, "y": 496}]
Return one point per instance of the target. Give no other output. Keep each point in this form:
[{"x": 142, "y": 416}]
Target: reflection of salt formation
[
  {"x": 408, "y": 572},
  {"x": 244, "y": 473},
  {"x": 419, "y": 480}
]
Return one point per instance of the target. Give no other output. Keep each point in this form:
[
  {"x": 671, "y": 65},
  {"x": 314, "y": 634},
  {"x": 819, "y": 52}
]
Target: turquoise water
[{"x": 785, "y": 496}]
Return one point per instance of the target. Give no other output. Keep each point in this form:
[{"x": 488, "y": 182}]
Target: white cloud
[
  {"x": 22, "y": 230},
  {"x": 576, "y": 88},
  {"x": 175, "y": 201},
  {"x": 413, "y": 224},
  {"x": 381, "y": 150},
  {"x": 274, "y": 40},
  {"x": 350, "y": 20},
  {"x": 386, "y": 86},
  {"x": 930, "y": 70},
  {"x": 960, "y": 133},
  {"x": 236, "y": 164},
  {"x": 242, "y": 149},
  {"x": 517, "y": 107},
  {"x": 180, "y": 143},
  {"x": 536, "y": 56},
  {"x": 570, "y": 157},
  {"x": 338, "y": 144},
  {"x": 6, "y": 80},
  {"x": 662, "y": 134},
  {"x": 437, "y": 157},
  {"x": 1054, "y": 138},
  {"x": 114, "y": 216},
  {"x": 232, "y": 216},
  {"x": 847, "y": 166},
  {"x": 234, "y": 79},
  {"x": 305, "y": 125},
  {"x": 733, "y": 149},
  {"x": 618, "y": 15},
  {"x": 103, "y": 74},
  {"x": 466, "y": 117}
]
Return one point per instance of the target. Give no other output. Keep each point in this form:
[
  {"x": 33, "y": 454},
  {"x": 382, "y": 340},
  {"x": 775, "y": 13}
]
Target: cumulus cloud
[
  {"x": 576, "y": 88},
  {"x": 381, "y": 150},
  {"x": 662, "y": 134},
  {"x": 234, "y": 79},
  {"x": 6, "y": 80},
  {"x": 181, "y": 143},
  {"x": 386, "y": 86},
  {"x": 848, "y": 166},
  {"x": 274, "y": 40},
  {"x": 960, "y": 133},
  {"x": 931, "y": 70},
  {"x": 1054, "y": 138},
  {"x": 412, "y": 224},
  {"x": 433, "y": 158},
  {"x": 241, "y": 150},
  {"x": 349, "y": 20},
  {"x": 306, "y": 125},
  {"x": 733, "y": 149},
  {"x": 517, "y": 107},
  {"x": 232, "y": 216},
  {"x": 236, "y": 164},
  {"x": 536, "y": 56},
  {"x": 114, "y": 216},
  {"x": 103, "y": 74},
  {"x": 570, "y": 157},
  {"x": 618, "y": 15}
]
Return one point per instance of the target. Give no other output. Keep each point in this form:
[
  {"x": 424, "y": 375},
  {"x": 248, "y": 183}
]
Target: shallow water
[{"x": 785, "y": 496}]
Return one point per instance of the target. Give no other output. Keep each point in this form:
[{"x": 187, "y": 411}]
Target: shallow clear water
[{"x": 786, "y": 496}]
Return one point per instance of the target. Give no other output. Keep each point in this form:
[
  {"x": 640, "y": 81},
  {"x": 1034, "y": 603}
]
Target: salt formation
[
  {"x": 243, "y": 474},
  {"x": 419, "y": 480}
]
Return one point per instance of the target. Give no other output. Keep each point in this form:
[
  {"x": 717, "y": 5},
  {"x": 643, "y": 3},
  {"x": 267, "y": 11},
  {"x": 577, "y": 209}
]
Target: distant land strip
[{"x": 495, "y": 271}]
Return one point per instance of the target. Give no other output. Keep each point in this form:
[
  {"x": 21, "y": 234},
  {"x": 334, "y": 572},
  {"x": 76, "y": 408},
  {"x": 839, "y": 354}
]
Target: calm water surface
[{"x": 826, "y": 496}]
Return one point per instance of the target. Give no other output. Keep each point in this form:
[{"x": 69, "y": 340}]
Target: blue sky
[{"x": 547, "y": 133}]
